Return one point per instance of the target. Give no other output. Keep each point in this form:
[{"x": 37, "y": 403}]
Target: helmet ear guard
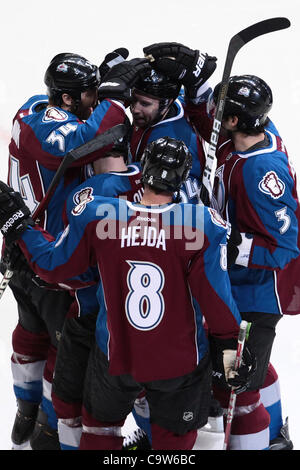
[
  {"x": 166, "y": 164},
  {"x": 249, "y": 98}
]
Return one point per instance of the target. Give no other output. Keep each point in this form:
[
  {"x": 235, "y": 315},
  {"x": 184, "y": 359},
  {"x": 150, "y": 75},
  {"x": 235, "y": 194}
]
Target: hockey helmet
[
  {"x": 249, "y": 98},
  {"x": 158, "y": 86},
  {"x": 166, "y": 163},
  {"x": 70, "y": 73}
]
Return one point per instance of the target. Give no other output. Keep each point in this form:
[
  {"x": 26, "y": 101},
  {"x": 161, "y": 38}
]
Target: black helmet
[
  {"x": 158, "y": 86},
  {"x": 72, "y": 74},
  {"x": 249, "y": 98},
  {"x": 121, "y": 146},
  {"x": 166, "y": 164}
]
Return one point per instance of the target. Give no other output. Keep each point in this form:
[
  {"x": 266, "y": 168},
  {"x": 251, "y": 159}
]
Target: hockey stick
[
  {"x": 243, "y": 334},
  {"x": 102, "y": 140},
  {"x": 235, "y": 44}
]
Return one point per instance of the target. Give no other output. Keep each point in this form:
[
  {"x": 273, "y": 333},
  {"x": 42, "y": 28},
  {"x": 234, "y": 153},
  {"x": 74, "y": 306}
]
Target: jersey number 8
[{"x": 144, "y": 303}]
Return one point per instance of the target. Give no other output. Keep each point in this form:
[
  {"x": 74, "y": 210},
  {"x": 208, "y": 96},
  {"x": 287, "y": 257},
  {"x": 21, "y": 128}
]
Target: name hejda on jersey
[
  {"x": 148, "y": 228},
  {"x": 144, "y": 235}
]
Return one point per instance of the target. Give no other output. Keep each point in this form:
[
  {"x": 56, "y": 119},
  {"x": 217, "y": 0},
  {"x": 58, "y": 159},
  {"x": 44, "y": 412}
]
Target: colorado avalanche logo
[
  {"x": 54, "y": 114},
  {"x": 244, "y": 91},
  {"x": 217, "y": 219},
  {"x": 62, "y": 68},
  {"x": 272, "y": 185},
  {"x": 81, "y": 199}
]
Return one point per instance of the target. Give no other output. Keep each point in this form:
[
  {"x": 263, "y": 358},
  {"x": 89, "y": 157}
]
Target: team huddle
[{"x": 130, "y": 291}]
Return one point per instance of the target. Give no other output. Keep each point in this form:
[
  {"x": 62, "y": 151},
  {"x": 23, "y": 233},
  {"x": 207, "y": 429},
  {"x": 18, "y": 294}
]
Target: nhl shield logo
[
  {"x": 188, "y": 416},
  {"x": 272, "y": 185},
  {"x": 81, "y": 199}
]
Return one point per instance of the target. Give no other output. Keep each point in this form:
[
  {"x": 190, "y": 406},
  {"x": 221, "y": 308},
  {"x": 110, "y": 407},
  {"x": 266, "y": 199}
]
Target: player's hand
[
  {"x": 113, "y": 58},
  {"x": 223, "y": 353},
  {"x": 14, "y": 260},
  {"x": 239, "y": 379},
  {"x": 180, "y": 62},
  {"x": 15, "y": 216},
  {"x": 121, "y": 78},
  {"x": 233, "y": 242}
]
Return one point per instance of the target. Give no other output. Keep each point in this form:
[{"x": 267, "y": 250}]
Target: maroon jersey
[{"x": 162, "y": 270}]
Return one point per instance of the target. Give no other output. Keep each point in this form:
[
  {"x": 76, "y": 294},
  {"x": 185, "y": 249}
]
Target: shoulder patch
[
  {"x": 81, "y": 199},
  {"x": 272, "y": 185},
  {"x": 54, "y": 114},
  {"x": 217, "y": 219}
]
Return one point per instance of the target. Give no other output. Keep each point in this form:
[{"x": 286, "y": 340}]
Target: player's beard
[{"x": 82, "y": 112}]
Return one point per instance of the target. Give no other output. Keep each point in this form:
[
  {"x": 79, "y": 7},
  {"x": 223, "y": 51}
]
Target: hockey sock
[{"x": 271, "y": 399}]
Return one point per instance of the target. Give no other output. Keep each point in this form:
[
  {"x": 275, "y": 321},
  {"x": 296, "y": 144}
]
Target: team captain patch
[
  {"x": 81, "y": 199},
  {"x": 272, "y": 185}
]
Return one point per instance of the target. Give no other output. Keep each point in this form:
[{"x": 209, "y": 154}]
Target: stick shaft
[{"x": 232, "y": 398}]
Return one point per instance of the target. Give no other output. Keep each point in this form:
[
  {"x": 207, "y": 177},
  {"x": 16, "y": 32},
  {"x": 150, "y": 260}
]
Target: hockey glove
[
  {"x": 223, "y": 354},
  {"x": 179, "y": 62},
  {"x": 15, "y": 216},
  {"x": 239, "y": 247},
  {"x": 14, "y": 260},
  {"x": 233, "y": 241},
  {"x": 111, "y": 59},
  {"x": 121, "y": 77}
]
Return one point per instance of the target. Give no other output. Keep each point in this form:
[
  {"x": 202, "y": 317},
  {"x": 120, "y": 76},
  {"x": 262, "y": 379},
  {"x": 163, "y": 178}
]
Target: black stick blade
[
  {"x": 263, "y": 27},
  {"x": 102, "y": 140}
]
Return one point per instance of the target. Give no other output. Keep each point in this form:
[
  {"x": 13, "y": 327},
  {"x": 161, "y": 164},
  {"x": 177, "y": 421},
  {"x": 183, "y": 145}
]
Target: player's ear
[{"x": 67, "y": 100}]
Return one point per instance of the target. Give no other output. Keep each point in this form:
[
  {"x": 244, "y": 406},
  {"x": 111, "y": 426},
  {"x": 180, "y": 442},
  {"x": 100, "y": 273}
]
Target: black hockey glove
[
  {"x": 179, "y": 62},
  {"x": 15, "y": 216},
  {"x": 233, "y": 241},
  {"x": 121, "y": 77},
  {"x": 14, "y": 260},
  {"x": 113, "y": 58},
  {"x": 223, "y": 354}
]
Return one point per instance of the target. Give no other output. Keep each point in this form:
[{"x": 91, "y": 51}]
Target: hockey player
[
  {"x": 157, "y": 110},
  {"x": 256, "y": 187},
  {"x": 137, "y": 249},
  {"x": 45, "y": 129},
  {"x": 258, "y": 176},
  {"x": 255, "y": 191}
]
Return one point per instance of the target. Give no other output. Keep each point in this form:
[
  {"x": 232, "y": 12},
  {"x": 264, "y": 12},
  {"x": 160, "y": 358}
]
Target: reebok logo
[{"x": 11, "y": 221}]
